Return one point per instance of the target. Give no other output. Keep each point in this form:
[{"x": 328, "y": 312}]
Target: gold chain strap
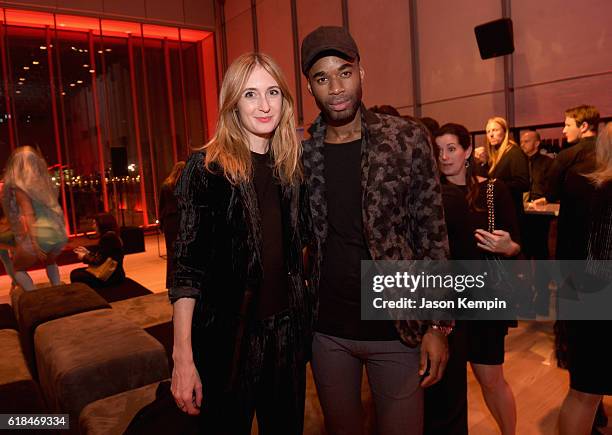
[{"x": 491, "y": 204}]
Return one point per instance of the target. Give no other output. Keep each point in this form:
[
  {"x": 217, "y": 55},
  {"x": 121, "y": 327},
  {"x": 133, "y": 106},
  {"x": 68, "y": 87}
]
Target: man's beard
[{"x": 341, "y": 117}]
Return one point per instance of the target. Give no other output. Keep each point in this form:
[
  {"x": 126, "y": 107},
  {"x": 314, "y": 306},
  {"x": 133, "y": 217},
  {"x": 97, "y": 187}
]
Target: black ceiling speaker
[{"x": 495, "y": 38}]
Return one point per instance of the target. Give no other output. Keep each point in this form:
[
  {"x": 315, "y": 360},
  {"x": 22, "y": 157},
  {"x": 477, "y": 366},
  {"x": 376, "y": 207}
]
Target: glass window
[{"x": 110, "y": 104}]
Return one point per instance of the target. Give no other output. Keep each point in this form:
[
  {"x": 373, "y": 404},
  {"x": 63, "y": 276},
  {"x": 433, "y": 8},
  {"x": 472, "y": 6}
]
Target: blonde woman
[
  {"x": 506, "y": 161},
  {"x": 242, "y": 313},
  {"x": 35, "y": 217}
]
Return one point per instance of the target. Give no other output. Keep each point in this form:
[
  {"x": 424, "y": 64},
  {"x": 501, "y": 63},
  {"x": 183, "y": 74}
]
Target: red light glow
[
  {"x": 28, "y": 18},
  {"x": 109, "y": 27}
]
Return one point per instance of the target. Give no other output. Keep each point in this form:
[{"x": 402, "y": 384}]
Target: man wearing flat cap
[{"x": 374, "y": 195}]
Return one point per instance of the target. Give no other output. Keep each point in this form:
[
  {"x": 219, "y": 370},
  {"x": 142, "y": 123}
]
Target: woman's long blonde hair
[
  {"x": 603, "y": 157},
  {"x": 495, "y": 154},
  {"x": 27, "y": 170},
  {"x": 229, "y": 147}
]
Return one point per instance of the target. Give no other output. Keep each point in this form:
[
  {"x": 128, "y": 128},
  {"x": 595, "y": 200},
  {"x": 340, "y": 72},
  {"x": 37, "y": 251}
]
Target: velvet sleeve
[{"x": 190, "y": 256}]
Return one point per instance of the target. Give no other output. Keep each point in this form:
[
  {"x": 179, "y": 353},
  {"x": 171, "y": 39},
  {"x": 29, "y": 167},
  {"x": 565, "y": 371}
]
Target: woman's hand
[
  {"x": 480, "y": 154},
  {"x": 497, "y": 242},
  {"x": 186, "y": 384},
  {"x": 81, "y": 252}
]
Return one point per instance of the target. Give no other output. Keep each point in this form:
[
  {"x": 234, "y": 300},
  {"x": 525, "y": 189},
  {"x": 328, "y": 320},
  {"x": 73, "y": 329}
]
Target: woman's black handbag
[{"x": 500, "y": 280}]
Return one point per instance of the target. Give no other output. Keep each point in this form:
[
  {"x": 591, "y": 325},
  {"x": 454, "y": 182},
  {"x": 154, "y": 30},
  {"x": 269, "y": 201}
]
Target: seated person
[{"x": 110, "y": 246}]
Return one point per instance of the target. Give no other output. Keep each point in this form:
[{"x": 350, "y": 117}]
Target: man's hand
[
  {"x": 186, "y": 387},
  {"x": 434, "y": 348}
]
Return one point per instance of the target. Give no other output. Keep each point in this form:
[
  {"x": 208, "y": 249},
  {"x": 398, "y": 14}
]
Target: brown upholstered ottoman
[
  {"x": 113, "y": 414},
  {"x": 153, "y": 313},
  {"x": 92, "y": 355},
  {"x": 7, "y": 317},
  {"x": 39, "y": 306},
  {"x": 128, "y": 288},
  {"x": 18, "y": 391},
  {"x": 146, "y": 311},
  {"x": 16, "y": 293}
]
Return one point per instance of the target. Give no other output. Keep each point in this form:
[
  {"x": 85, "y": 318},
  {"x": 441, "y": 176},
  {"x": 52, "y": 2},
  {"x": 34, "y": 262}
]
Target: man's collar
[{"x": 587, "y": 140}]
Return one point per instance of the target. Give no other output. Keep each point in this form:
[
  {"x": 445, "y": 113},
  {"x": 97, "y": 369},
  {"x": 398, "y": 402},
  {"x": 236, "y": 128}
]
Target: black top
[
  {"x": 462, "y": 221},
  {"x": 568, "y": 185},
  {"x": 274, "y": 290},
  {"x": 539, "y": 164},
  {"x": 345, "y": 247},
  {"x": 513, "y": 170}
]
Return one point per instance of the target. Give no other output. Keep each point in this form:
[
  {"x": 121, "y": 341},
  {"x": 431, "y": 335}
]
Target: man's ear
[
  {"x": 361, "y": 73},
  {"x": 584, "y": 127},
  {"x": 308, "y": 86}
]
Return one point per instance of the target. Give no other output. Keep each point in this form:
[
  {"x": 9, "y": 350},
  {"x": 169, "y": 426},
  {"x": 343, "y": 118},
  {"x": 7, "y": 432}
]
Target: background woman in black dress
[
  {"x": 466, "y": 215},
  {"x": 169, "y": 216}
]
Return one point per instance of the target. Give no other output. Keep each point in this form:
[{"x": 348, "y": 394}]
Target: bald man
[
  {"x": 538, "y": 163},
  {"x": 537, "y": 227}
]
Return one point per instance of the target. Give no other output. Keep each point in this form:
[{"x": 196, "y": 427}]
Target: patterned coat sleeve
[{"x": 427, "y": 224}]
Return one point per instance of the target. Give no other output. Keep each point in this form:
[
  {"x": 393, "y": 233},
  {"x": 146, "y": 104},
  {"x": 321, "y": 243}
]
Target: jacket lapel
[{"x": 246, "y": 191}]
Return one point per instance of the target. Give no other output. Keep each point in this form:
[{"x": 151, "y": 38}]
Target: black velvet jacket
[{"x": 218, "y": 262}]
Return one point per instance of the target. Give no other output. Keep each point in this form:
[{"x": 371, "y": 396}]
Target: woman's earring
[{"x": 467, "y": 163}]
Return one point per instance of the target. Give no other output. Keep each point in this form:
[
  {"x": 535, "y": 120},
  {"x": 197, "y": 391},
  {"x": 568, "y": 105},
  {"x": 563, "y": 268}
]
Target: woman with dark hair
[
  {"x": 242, "y": 312},
  {"x": 109, "y": 247},
  {"x": 466, "y": 211},
  {"x": 169, "y": 216},
  {"x": 35, "y": 217}
]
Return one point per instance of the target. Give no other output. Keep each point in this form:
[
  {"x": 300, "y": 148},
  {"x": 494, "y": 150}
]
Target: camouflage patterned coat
[{"x": 403, "y": 216}]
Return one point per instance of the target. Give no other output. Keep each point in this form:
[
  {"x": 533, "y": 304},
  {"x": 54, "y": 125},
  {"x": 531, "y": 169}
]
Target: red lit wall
[
  {"x": 562, "y": 56},
  {"x": 82, "y": 88},
  {"x": 191, "y": 13}
]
